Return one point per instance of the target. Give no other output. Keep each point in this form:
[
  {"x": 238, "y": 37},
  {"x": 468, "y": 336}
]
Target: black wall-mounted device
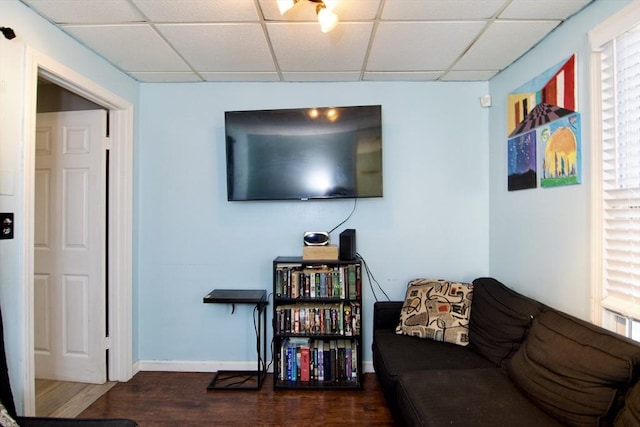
[{"x": 6, "y": 226}]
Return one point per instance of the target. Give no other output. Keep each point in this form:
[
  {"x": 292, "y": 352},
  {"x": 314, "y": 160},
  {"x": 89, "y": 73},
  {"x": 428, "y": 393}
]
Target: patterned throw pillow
[
  {"x": 5, "y": 418},
  {"x": 437, "y": 309}
]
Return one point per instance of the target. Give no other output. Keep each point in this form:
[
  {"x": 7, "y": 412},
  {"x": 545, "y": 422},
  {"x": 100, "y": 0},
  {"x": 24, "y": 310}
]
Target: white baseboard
[
  {"x": 206, "y": 366},
  {"x": 195, "y": 366},
  {"x": 136, "y": 368}
]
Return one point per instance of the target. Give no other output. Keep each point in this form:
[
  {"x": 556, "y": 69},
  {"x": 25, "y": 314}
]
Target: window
[{"x": 616, "y": 172}]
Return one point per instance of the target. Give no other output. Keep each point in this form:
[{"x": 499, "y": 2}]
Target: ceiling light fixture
[{"x": 327, "y": 19}]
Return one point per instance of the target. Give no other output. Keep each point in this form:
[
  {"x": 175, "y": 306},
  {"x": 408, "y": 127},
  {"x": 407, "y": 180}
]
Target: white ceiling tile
[
  {"x": 302, "y": 47},
  {"x": 249, "y": 40},
  {"x": 467, "y": 76},
  {"x": 160, "y": 77},
  {"x": 416, "y": 46},
  {"x": 241, "y": 77},
  {"x": 357, "y": 10},
  {"x": 347, "y": 10},
  {"x": 417, "y": 76},
  {"x": 542, "y": 9},
  {"x": 434, "y": 10},
  {"x": 130, "y": 47},
  {"x": 491, "y": 52},
  {"x": 87, "y": 12},
  {"x": 221, "y": 47},
  {"x": 198, "y": 10},
  {"x": 321, "y": 76}
]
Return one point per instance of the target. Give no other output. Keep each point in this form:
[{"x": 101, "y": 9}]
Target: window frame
[{"x": 605, "y": 314}]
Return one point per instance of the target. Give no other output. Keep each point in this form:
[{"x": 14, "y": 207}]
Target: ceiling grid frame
[{"x": 249, "y": 41}]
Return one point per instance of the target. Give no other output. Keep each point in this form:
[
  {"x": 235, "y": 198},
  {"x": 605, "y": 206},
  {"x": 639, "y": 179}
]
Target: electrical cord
[
  {"x": 261, "y": 362},
  {"x": 355, "y": 201},
  {"x": 370, "y": 275},
  {"x": 244, "y": 377},
  {"x": 372, "y": 279}
]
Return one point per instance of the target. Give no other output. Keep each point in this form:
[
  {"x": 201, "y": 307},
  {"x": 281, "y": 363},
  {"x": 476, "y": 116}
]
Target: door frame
[{"x": 120, "y": 216}]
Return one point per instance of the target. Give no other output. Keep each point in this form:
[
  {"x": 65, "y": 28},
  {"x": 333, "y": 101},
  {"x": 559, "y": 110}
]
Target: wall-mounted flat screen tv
[{"x": 304, "y": 153}]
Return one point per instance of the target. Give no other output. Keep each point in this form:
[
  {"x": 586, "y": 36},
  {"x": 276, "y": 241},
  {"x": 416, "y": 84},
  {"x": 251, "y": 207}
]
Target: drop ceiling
[{"x": 248, "y": 40}]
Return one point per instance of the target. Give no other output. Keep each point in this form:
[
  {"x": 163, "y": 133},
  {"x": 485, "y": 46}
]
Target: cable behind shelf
[
  {"x": 372, "y": 279},
  {"x": 261, "y": 361}
]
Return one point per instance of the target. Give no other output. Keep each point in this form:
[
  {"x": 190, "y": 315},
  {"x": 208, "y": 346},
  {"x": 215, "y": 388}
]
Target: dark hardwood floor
[{"x": 181, "y": 399}]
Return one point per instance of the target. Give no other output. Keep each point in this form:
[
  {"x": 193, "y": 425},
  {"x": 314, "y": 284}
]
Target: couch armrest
[{"x": 386, "y": 314}]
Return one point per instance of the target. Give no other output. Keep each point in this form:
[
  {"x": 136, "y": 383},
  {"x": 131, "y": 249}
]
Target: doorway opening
[
  {"x": 70, "y": 246},
  {"x": 117, "y": 225}
]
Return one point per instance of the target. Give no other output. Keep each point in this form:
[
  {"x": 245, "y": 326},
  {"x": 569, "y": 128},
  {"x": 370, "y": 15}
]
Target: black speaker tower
[{"x": 348, "y": 245}]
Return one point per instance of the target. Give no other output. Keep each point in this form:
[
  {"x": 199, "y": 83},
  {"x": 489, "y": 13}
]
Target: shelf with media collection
[{"x": 317, "y": 314}]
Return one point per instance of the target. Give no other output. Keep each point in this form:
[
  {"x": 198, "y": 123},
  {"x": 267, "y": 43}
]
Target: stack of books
[{"x": 308, "y": 360}]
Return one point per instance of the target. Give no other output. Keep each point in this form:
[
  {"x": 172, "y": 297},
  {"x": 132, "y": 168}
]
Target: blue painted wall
[
  {"x": 540, "y": 238},
  {"x": 431, "y": 222}
]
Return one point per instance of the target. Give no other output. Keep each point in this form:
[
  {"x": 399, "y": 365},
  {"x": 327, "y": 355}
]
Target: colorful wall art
[
  {"x": 560, "y": 151},
  {"x": 541, "y": 119},
  {"x": 522, "y": 161}
]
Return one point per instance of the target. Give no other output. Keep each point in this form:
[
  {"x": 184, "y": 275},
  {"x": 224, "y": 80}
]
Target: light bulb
[
  {"x": 327, "y": 19},
  {"x": 332, "y": 114},
  {"x": 285, "y": 5},
  {"x": 330, "y": 4}
]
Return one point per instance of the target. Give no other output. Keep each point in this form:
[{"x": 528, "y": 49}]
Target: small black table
[{"x": 243, "y": 380}]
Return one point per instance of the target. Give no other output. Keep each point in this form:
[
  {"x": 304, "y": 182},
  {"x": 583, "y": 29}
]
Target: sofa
[
  {"x": 9, "y": 417},
  {"x": 518, "y": 363}
]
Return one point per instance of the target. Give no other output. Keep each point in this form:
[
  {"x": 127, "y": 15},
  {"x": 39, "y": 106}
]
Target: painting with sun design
[
  {"x": 542, "y": 113},
  {"x": 560, "y": 151}
]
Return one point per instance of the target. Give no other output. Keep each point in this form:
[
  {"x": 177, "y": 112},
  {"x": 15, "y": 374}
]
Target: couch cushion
[
  {"x": 499, "y": 320},
  {"x": 469, "y": 397},
  {"x": 437, "y": 309},
  {"x": 574, "y": 370},
  {"x": 629, "y": 416},
  {"x": 396, "y": 354},
  {"x": 5, "y": 419}
]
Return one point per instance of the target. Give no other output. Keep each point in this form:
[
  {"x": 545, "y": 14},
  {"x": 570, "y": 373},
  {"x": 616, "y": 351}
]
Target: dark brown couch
[{"x": 526, "y": 365}]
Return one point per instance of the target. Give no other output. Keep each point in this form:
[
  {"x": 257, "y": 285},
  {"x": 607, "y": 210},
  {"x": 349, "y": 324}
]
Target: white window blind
[{"x": 620, "y": 86}]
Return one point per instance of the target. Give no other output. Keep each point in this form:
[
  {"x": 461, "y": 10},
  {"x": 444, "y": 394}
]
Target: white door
[{"x": 69, "y": 240}]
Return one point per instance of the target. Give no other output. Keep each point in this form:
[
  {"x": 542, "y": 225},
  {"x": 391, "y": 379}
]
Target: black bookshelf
[{"x": 317, "y": 326}]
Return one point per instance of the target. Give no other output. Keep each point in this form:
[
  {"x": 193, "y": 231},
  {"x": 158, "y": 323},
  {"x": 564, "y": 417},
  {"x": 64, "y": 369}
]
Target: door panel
[
  {"x": 75, "y": 318},
  {"x": 70, "y": 246},
  {"x": 41, "y": 286},
  {"x": 76, "y": 196}
]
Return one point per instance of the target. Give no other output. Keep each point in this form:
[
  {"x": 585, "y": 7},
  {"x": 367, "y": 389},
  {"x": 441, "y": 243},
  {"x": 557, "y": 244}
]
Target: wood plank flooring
[
  {"x": 158, "y": 399},
  {"x": 66, "y": 399}
]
